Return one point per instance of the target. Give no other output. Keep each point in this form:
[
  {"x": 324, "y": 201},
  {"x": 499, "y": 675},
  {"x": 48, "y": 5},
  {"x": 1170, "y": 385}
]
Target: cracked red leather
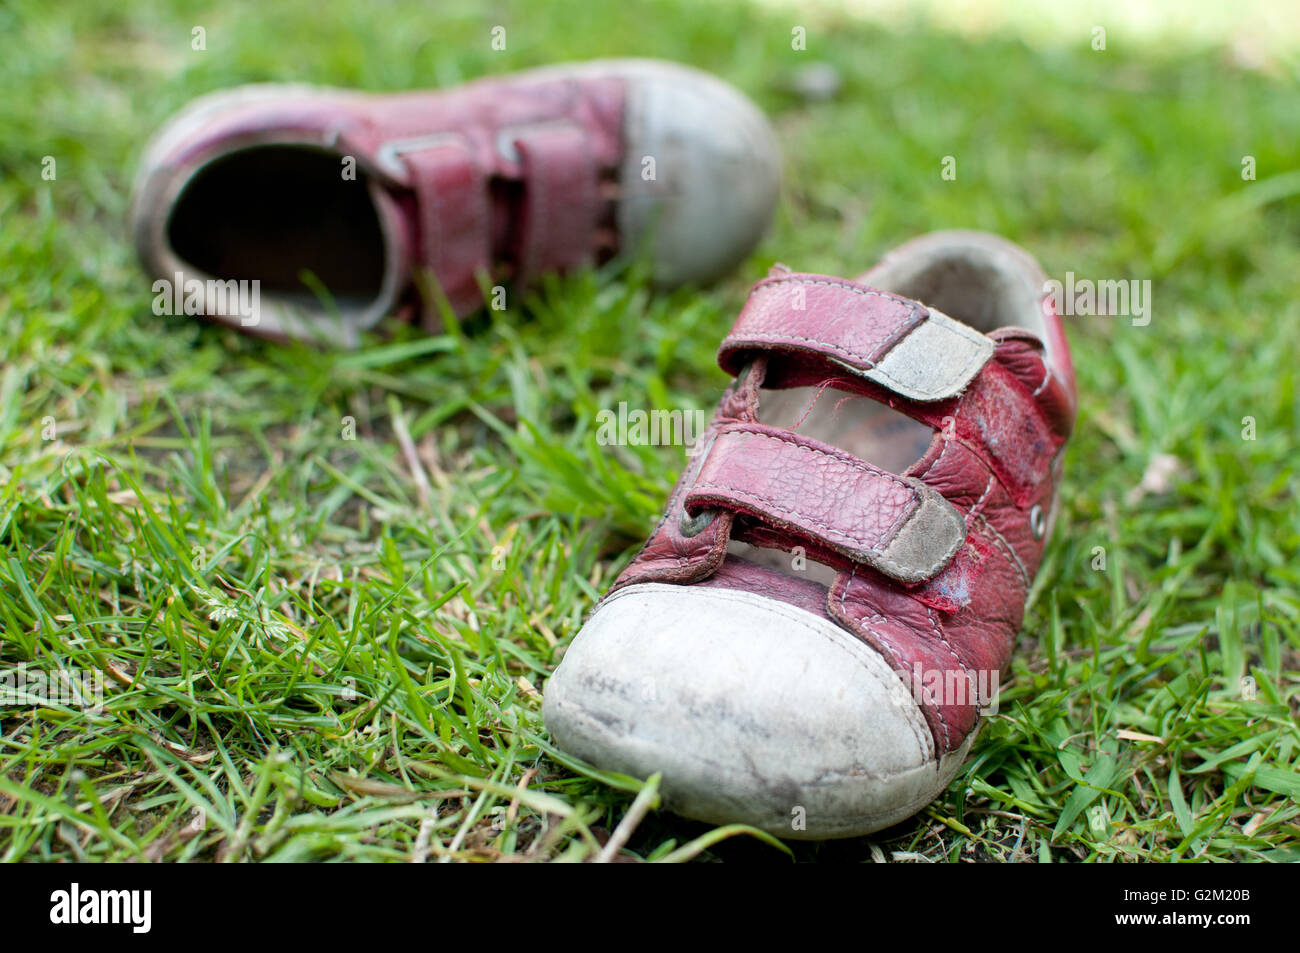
[
  {"x": 994, "y": 458},
  {"x": 503, "y": 176},
  {"x": 853, "y": 324},
  {"x": 808, "y": 490}
]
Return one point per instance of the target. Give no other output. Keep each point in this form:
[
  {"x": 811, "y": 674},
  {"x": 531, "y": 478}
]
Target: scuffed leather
[
  {"x": 821, "y": 494},
  {"x": 901, "y": 345},
  {"x": 819, "y": 315},
  {"x": 995, "y": 458}
]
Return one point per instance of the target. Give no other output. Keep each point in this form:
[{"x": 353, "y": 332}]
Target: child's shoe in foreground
[
  {"x": 333, "y": 200},
  {"x": 807, "y": 640}
]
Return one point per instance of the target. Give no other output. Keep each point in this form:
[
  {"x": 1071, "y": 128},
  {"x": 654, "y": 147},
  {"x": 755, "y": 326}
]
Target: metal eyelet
[
  {"x": 1037, "y": 522},
  {"x": 697, "y": 524}
]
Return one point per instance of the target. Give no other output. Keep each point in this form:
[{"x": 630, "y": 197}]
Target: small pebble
[{"x": 816, "y": 82}]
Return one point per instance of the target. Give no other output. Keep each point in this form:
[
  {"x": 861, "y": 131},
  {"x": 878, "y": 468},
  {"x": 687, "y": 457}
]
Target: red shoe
[
  {"x": 506, "y": 178},
  {"x": 808, "y": 640}
]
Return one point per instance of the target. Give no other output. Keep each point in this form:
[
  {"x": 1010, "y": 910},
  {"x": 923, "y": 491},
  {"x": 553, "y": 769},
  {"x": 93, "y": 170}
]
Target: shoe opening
[
  {"x": 981, "y": 281},
  {"x": 286, "y": 216}
]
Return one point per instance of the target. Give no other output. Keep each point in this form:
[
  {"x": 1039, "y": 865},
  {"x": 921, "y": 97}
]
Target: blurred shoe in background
[{"x": 337, "y": 202}]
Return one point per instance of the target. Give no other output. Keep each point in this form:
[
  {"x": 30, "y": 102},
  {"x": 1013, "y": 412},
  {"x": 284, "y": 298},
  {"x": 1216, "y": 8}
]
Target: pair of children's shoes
[{"x": 812, "y": 634}]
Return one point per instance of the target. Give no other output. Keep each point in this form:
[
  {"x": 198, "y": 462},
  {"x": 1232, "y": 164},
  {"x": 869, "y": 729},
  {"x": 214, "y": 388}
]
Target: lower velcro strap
[{"x": 818, "y": 493}]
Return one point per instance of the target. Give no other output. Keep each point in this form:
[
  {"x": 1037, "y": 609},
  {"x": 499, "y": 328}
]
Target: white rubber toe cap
[
  {"x": 755, "y": 711},
  {"x": 701, "y": 173}
]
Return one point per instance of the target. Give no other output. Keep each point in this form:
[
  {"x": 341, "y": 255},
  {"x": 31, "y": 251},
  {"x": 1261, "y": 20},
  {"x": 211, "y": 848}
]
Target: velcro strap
[
  {"x": 914, "y": 351},
  {"x": 561, "y": 205},
  {"x": 455, "y": 217},
  {"x": 897, "y": 525}
]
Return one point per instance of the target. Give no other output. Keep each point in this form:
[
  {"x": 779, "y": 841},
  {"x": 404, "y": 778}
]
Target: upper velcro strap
[
  {"x": 815, "y": 492},
  {"x": 914, "y": 351},
  {"x": 455, "y": 215},
  {"x": 561, "y": 205}
]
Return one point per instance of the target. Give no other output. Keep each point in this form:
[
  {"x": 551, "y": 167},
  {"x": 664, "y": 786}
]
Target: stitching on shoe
[
  {"x": 890, "y": 534},
  {"x": 1047, "y": 375},
  {"x": 831, "y": 283},
  {"x": 969, "y": 334},
  {"x": 894, "y": 659},
  {"x": 862, "y": 466},
  {"x": 859, "y": 544},
  {"x": 1007, "y": 550},
  {"x": 916, "y": 730},
  {"x": 947, "y": 442},
  {"x": 934, "y": 624},
  {"x": 773, "y": 338},
  {"x": 913, "y": 308},
  {"x": 975, "y": 510}
]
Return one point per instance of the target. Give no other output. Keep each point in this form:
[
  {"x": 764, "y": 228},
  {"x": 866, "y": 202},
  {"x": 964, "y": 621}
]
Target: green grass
[{"x": 322, "y": 648}]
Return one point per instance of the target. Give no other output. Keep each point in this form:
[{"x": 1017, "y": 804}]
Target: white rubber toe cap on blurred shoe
[
  {"x": 701, "y": 172},
  {"x": 754, "y": 710}
]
